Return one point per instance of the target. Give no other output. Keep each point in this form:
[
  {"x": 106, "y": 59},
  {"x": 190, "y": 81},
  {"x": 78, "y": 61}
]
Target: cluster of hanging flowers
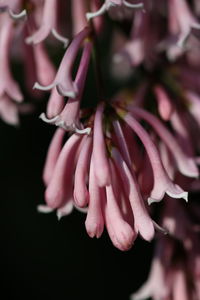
[{"x": 137, "y": 147}]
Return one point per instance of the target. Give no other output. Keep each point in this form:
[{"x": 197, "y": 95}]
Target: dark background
[{"x": 42, "y": 257}]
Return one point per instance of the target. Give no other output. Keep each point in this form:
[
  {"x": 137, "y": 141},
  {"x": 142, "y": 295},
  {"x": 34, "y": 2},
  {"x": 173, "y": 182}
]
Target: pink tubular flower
[
  {"x": 48, "y": 25},
  {"x": 94, "y": 222},
  {"x": 162, "y": 182},
  {"x": 142, "y": 222},
  {"x": 12, "y": 6},
  {"x": 7, "y": 84},
  {"x": 120, "y": 232},
  {"x": 186, "y": 22},
  {"x": 63, "y": 80},
  {"x": 55, "y": 106},
  {"x": 10, "y": 93},
  {"x": 79, "y": 9},
  {"x": 44, "y": 68},
  {"x": 186, "y": 165},
  {"x": 68, "y": 118},
  {"x": 101, "y": 165},
  {"x": 53, "y": 154},
  {"x": 57, "y": 192},
  {"x": 165, "y": 105},
  {"x": 9, "y": 111},
  {"x": 80, "y": 178}
]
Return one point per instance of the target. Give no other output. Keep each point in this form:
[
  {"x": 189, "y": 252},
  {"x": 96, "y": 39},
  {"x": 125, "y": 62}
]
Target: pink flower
[
  {"x": 48, "y": 25},
  {"x": 162, "y": 183},
  {"x": 63, "y": 80},
  {"x": 11, "y": 6},
  {"x": 186, "y": 23},
  {"x": 7, "y": 84},
  {"x": 68, "y": 117}
]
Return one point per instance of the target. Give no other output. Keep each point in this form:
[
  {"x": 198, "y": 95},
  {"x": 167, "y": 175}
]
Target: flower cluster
[{"x": 131, "y": 149}]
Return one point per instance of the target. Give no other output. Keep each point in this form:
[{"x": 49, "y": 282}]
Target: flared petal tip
[
  {"x": 134, "y": 6},
  {"x": 101, "y": 11},
  {"x": 65, "y": 210},
  {"x": 72, "y": 93},
  {"x": 42, "y": 87},
  {"x": 86, "y": 130},
  {"x": 151, "y": 200},
  {"x": 20, "y": 16},
  {"x": 44, "y": 118},
  {"x": 44, "y": 209},
  {"x": 60, "y": 38},
  {"x": 183, "y": 195}
]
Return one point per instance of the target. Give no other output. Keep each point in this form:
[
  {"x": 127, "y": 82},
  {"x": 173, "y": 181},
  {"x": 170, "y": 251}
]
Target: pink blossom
[
  {"x": 63, "y": 80},
  {"x": 48, "y": 25},
  {"x": 68, "y": 117},
  {"x": 7, "y": 84},
  {"x": 13, "y": 6}
]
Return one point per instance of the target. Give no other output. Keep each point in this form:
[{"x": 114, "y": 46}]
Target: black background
[{"x": 42, "y": 257}]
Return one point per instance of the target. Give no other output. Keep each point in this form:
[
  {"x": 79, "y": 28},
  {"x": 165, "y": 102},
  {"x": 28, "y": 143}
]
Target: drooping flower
[
  {"x": 13, "y": 8},
  {"x": 68, "y": 117},
  {"x": 48, "y": 25},
  {"x": 63, "y": 80}
]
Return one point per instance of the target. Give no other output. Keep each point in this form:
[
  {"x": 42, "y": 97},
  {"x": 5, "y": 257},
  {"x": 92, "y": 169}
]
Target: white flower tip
[
  {"x": 151, "y": 200},
  {"x": 134, "y": 6},
  {"x": 60, "y": 38},
  {"x": 181, "y": 194},
  {"x": 21, "y": 15},
  {"x": 185, "y": 196},
  {"x": 89, "y": 16},
  {"x": 42, "y": 87},
  {"x": 36, "y": 85},
  {"x": 101, "y": 11},
  {"x": 67, "y": 93},
  {"x": 71, "y": 94},
  {"x": 84, "y": 131},
  {"x": 59, "y": 215},
  {"x": 44, "y": 209},
  {"x": 44, "y": 118}
]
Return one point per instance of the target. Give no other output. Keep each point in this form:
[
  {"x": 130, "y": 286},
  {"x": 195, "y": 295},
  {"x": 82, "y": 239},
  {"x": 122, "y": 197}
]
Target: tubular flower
[
  {"x": 105, "y": 175},
  {"x": 48, "y": 25},
  {"x": 101, "y": 180},
  {"x": 63, "y": 80},
  {"x": 13, "y": 8},
  {"x": 68, "y": 118}
]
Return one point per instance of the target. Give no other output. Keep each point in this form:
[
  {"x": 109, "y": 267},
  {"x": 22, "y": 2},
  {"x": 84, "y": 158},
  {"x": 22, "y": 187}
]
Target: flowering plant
[{"x": 125, "y": 151}]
